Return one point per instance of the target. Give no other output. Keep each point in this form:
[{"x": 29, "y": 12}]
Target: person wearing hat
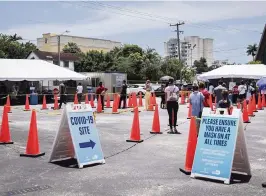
[
  {"x": 148, "y": 89},
  {"x": 172, "y": 96},
  {"x": 101, "y": 91},
  {"x": 123, "y": 95}
]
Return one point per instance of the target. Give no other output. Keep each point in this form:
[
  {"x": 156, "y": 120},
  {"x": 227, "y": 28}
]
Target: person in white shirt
[
  {"x": 242, "y": 88},
  {"x": 172, "y": 96},
  {"x": 79, "y": 92}
]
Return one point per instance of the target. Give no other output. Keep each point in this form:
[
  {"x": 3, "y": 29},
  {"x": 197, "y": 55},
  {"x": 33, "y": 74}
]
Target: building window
[
  {"x": 55, "y": 62},
  {"x": 66, "y": 64},
  {"x": 45, "y": 40}
]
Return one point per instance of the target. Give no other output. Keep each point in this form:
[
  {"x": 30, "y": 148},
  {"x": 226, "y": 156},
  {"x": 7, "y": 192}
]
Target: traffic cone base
[
  {"x": 137, "y": 141},
  {"x": 153, "y": 132},
  {"x": 187, "y": 172},
  {"x": 32, "y": 155},
  {"x": 4, "y": 143}
]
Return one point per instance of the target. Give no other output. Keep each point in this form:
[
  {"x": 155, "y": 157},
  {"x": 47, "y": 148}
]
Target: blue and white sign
[
  {"x": 215, "y": 148},
  {"x": 85, "y": 137}
]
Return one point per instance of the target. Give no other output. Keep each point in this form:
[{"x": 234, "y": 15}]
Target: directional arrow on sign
[{"x": 89, "y": 144}]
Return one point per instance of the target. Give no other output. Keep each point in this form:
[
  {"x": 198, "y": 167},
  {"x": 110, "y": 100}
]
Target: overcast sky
[{"x": 232, "y": 25}]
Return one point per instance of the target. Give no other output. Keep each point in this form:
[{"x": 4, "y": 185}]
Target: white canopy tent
[
  {"x": 34, "y": 70},
  {"x": 249, "y": 71}
]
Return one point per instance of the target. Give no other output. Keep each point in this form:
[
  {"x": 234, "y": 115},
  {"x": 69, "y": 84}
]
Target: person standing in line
[
  {"x": 250, "y": 90},
  {"x": 211, "y": 90},
  {"x": 79, "y": 92},
  {"x": 172, "y": 96},
  {"x": 62, "y": 90},
  {"x": 225, "y": 102},
  {"x": 242, "y": 88},
  {"x": 101, "y": 91},
  {"x": 218, "y": 92},
  {"x": 148, "y": 89},
  {"x": 196, "y": 99},
  {"x": 205, "y": 93},
  {"x": 235, "y": 93},
  {"x": 123, "y": 95}
]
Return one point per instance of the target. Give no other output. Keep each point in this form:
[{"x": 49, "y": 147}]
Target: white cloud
[{"x": 107, "y": 23}]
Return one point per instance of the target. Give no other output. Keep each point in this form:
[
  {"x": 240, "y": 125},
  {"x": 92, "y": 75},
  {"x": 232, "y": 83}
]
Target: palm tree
[
  {"x": 252, "y": 50},
  {"x": 15, "y": 37}
]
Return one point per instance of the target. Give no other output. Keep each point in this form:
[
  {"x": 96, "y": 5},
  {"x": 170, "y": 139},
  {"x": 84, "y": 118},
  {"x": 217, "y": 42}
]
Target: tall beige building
[
  {"x": 49, "y": 43},
  {"x": 191, "y": 48}
]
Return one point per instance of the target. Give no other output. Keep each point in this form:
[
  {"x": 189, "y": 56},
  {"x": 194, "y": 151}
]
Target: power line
[{"x": 166, "y": 18}]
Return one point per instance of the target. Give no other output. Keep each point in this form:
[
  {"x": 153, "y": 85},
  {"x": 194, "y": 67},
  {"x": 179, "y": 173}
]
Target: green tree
[
  {"x": 252, "y": 50},
  {"x": 201, "y": 65},
  {"x": 171, "y": 67},
  {"x": 71, "y": 47},
  {"x": 11, "y": 48}
]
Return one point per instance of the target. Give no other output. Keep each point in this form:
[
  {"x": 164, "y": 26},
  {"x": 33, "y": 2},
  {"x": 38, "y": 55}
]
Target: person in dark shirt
[
  {"x": 225, "y": 102},
  {"x": 123, "y": 95},
  {"x": 101, "y": 91}
]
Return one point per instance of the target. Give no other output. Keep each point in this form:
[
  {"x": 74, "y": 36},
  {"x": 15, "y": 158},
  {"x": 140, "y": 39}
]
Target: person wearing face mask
[
  {"x": 172, "y": 96},
  {"x": 148, "y": 89}
]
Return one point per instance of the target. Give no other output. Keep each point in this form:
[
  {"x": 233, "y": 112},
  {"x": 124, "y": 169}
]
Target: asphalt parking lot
[{"x": 150, "y": 168}]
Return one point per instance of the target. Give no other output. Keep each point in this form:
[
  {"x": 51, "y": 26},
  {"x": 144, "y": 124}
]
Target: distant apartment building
[
  {"x": 49, "y": 43},
  {"x": 191, "y": 48}
]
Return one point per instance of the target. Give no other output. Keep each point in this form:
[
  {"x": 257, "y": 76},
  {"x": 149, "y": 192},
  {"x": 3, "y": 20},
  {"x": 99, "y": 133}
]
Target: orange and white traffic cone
[
  {"x": 76, "y": 99},
  {"x": 33, "y": 148},
  {"x": 56, "y": 106},
  {"x": 99, "y": 105},
  {"x": 87, "y": 99},
  {"x": 140, "y": 99},
  {"x": 189, "y": 112},
  {"x": 92, "y": 101},
  {"x": 245, "y": 113},
  {"x": 108, "y": 102}
]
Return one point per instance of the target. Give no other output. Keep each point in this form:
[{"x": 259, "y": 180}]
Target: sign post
[
  {"x": 221, "y": 147},
  {"x": 77, "y": 137}
]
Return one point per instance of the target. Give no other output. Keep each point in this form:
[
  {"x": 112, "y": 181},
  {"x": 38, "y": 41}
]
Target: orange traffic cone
[
  {"x": 259, "y": 106},
  {"x": 210, "y": 102},
  {"x": 87, "y": 99},
  {"x": 115, "y": 105},
  {"x": 108, "y": 103},
  {"x": 140, "y": 99},
  {"x": 27, "y": 105},
  {"x": 191, "y": 147},
  {"x": 76, "y": 99},
  {"x": 154, "y": 99},
  {"x": 189, "y": 112},
  {"x": 92, "y": 101},
  {"x": 44, "y": 106},
  {"x": 182, "y": 99},
  {"x": 5, "y": 137},
  {"x": 135, "y": 130},
  {"x": 99, "y": 105},
  {"x": 156, "y": 122},
  {"x": 245, "y": 113},
  {"x": 8, "y": 104},
  {"x": 250, "y": 108},
  {"x": 263, "y": 100},
  {"x": 56, "y": 106},
  {"x": 33, "y": 149},
  {"x": 150, "y": 107}
]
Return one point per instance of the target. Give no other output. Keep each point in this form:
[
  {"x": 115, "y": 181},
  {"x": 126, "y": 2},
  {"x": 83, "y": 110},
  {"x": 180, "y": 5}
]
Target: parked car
[{"x": 136, "y": 88}]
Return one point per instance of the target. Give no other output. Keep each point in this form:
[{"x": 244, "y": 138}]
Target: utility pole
[
  {"x": 59, "y": 50},
  {"x": 178, "y": 43},
  {"x": 58, "y": 44}
]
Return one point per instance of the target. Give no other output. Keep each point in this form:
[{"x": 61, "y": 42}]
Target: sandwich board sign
[
  {"x": 77, "y": 137},
  {"x": 221, "y": 148}
]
